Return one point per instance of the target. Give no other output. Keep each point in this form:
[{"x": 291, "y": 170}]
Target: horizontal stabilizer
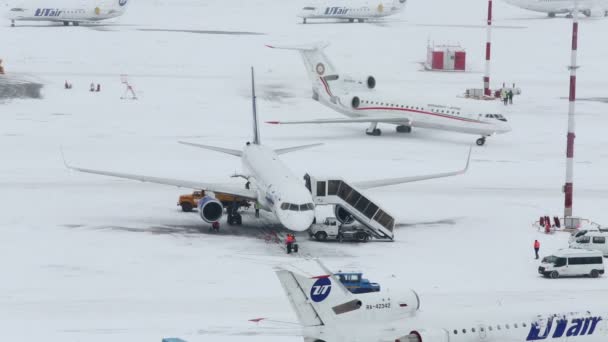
[
  {"x": 393, "y": 181},
  {"x": 236, "y": 153},
  {"x": 365, "y": 119},
  {"x": 295, "y": 148},
  {"x": 301, "y": 47}
]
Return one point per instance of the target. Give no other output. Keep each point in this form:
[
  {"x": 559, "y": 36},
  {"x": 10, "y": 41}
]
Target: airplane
[
  {"x": 328, "y": 312},
  {"x": 352, "y": 13},
  {"x": 590, "y": 8},
  {"x": 75, "y": 15},
  {"x": 357, "y": 99},
  {"x": 269, "y": 182}
]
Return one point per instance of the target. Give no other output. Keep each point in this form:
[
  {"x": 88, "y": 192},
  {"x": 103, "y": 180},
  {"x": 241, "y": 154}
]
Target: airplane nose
[{"x": 298, "y": 222}]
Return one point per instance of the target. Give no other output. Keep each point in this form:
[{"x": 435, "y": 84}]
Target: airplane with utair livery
[
  {"x": 55, "y": 12},
  {"x": 590, "y": 8},
  {"x": 328, "y": 312},
  {"x": 358, "y": 99},
  {"x": 369, "y": 10},
  {"x": 269, "y": 182}
]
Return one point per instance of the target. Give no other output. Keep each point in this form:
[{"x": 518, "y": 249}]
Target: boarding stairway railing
[{"x": 337, "y": 192}]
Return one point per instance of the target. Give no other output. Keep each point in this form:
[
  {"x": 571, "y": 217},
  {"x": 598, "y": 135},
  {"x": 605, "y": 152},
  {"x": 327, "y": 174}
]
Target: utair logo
[
  {"x": 47, "y": 12},
  {"x": 336, "y": 10},
  {"x": 122, "y": 2},
  {"x": 320, "y": 289},
  {"x": 563, "y": 328}
]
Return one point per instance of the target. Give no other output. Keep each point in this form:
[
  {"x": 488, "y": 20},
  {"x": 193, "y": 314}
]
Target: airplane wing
[
  {"x": 218, "y": 188},
  {"x": 392, "y": 181},
  {"x": 391, "y": 119}
]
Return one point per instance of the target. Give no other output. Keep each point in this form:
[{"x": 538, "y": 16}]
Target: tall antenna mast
[
  {"x": 568, "y": 187},
  {"x": 486, "y": 77}
]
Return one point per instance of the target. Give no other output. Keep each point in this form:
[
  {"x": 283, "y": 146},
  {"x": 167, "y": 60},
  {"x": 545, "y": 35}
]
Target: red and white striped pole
[
  {"x": 568, "y": 188},
  {"x": 486, "y": 77}
]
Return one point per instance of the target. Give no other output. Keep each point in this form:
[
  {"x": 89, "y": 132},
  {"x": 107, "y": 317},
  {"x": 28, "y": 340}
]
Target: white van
[
  {"x": 572, "y": 263},
  {"x": 592, "y": 240},
  {"x": 578, "y": 233}
]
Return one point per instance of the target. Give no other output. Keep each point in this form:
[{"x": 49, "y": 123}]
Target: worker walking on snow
[
  {"x": 536, "y": 247},
  {"x": 290, "y": 242},
  {"x": 257, "y": 209}
]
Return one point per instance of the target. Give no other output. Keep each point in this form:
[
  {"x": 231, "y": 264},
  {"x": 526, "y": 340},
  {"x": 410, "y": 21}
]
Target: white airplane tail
[
  {"x": 319, "y": 299},
  {"x": 315, "y": 61}
]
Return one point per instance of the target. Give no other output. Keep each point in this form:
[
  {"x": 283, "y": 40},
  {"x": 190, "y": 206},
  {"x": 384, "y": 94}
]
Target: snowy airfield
[{"x": 89, "y": 258}]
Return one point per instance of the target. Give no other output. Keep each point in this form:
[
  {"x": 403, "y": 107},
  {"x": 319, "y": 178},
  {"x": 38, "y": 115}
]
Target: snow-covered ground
[{"x": 88, "y": 258}]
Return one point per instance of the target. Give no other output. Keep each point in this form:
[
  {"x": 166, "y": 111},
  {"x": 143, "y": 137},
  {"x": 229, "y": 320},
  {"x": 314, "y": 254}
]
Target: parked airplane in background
[
  {"x": 591, "y": 8},
  {"x": 270, "y": 182},
  {"x": 332, "y": 10},
  {"x": 50, "y": 11},
  {"x": 358, "y": 100},
  {"x": 328, "y": 311}
]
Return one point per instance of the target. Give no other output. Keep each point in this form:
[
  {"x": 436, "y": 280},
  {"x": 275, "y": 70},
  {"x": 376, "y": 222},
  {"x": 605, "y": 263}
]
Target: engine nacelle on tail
[
  {"x": 210, "y": 209},
  {"x": 351, "y": 82},
  {"x": 595, "y": 12},
  {"x": 342, "y": 215},
  {"x": 436, "y": 335}
]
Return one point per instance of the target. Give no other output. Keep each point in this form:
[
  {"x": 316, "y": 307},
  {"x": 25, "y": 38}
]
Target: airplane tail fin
[
  {"x": 315, "y": 61},
  {"x": 256, "y": 129},
  {"x": 317, "y": 296}
]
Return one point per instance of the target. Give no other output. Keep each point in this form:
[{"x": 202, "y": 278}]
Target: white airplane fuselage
[
  {"x": 447, "y": 117},
  {"x": 571, "y": 327},
  {"x": 562, "y": 6},
  {"x": 276, "y": 186},
  {"x": 344, "y": 11},
  {"x": 57, "y": 13}
]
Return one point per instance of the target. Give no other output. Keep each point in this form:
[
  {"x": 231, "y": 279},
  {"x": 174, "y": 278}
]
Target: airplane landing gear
[
  {"x": 12, "y": 23},
  {"x": 569, "y": 15},
  {"x": 481, "y": 141},
  {"x": 372, "y": 130},
  {"x": 551, "y": 15},
  {"x": 360, "y": 20},
  {"x": 351, "y": 20},
  {"x": 303, "y": 20},
  {"x": 404, "y": 129},
  {"x": 66, "y": 23},
  {"x": 75, "y": 23}
]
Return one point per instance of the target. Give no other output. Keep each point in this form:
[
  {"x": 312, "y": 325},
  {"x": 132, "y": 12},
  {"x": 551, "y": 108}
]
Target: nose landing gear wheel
[
  {"x": 376, "y": 132},
  {"x": 481, "y": 141}
]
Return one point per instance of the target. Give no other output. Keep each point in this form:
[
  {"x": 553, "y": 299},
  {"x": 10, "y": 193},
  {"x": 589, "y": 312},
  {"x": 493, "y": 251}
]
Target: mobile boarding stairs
[{"x": 348, "y": 201}]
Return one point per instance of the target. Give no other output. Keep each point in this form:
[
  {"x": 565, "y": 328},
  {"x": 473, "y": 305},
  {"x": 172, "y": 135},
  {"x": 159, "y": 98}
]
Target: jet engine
[
  {"x": 210, "y": 209},
  {"x": 342, "y": 215},
  {"x": 436, "y": 335},
  {"x": 354, "y": 83},
  {"x": 595, "y": 12}
]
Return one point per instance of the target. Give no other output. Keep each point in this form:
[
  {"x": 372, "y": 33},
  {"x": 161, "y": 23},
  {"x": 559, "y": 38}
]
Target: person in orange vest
[
  {"x": 289, "y": 240},
  {"x": 536, "y": 247}
]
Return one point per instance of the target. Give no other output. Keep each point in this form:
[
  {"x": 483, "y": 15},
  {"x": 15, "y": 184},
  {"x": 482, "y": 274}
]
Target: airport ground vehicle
[
  {"x": 593, "y": 241},
  {"x": 572, "y": 262},
  {"x": 331, "y": 228},
  {"x": 355, "y": 283},
  {"x": 190, "y": 201}
]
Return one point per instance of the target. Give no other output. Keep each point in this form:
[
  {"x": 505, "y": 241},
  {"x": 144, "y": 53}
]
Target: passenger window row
[
  {"x": 491, "y": 328},
  {"x": 410, "y": 107}
]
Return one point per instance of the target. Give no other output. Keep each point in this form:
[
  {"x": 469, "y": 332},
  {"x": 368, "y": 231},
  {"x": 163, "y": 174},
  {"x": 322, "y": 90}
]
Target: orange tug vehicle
[{"x": 232, "y": 204}]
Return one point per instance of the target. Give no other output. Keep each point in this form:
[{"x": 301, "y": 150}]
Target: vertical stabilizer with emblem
[
  {"x": 316, "y": 62},
  {"x": 315, "y": 294}
]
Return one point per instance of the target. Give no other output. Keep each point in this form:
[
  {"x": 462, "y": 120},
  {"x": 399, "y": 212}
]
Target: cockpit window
[
  {"x": 285, "y": 206},
  {"x": 293, "y": 207},
  {"x": 306, "y": 207},
  {"x": 308, "y": 8},
  {"x": 17, "y": 10}
]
